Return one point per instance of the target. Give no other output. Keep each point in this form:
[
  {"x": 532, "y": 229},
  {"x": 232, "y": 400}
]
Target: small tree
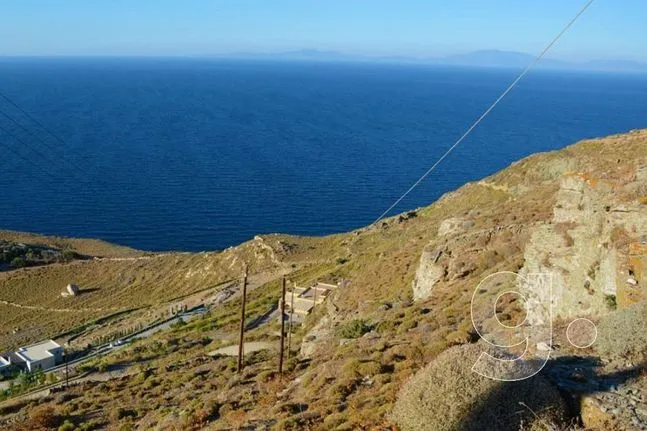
[
  {"x": 69, "y": 255},
  {"x": 18, "y": 262}
]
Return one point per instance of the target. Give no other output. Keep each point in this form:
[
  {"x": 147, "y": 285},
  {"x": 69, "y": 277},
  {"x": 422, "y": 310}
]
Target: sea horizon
[{"x": 202, "y": 155}]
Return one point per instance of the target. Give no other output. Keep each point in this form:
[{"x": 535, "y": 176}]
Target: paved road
[
  {"x": 187, "y": 317},
  {"x": 250, "y": 347},
  {"x": 230, "y": 293}
]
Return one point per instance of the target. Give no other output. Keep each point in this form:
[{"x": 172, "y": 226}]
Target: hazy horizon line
[
  {"x": 489, "y": 58},
  {"x": 349, "y": 54}
]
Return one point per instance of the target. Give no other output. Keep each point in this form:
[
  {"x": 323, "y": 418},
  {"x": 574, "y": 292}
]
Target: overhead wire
[
  {"x": 57, "y": 158},
  {"x": 54, "y": 151},
  {"x": 489, "y": 109},
  {"x": 28, "y": 161},
  {"x": 60, "y": 140}
]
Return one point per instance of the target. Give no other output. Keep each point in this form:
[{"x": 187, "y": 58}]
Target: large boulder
[
  {"x": 429, "y": 273},
  {"x": 72, "y": 289},
  {"x": 448, "y": 395}
]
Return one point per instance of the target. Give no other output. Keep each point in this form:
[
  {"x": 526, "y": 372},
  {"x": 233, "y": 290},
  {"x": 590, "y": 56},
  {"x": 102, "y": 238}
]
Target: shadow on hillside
[
  {"x": 87, "y": 291},
  {"x": 574, "y": 377},
  {"x": 256, "y": 322}
]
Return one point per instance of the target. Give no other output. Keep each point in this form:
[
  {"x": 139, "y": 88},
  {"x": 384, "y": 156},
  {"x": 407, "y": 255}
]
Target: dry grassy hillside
[
  {"x": 33, "y": 307},
  {"x": 410, "y": 280},
  {"x": 87, "y": 247}
]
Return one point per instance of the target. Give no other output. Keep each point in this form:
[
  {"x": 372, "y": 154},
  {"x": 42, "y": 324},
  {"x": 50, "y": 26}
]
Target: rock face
[
  {"x": 579, "y": 217},
  {"x": 592, "y": 240},
  {"x": 454, "y": 225},
  {"x": 586, "y": 247},
  {"x": 461, "y": 253},
  {"x": 429, "y": 273}
]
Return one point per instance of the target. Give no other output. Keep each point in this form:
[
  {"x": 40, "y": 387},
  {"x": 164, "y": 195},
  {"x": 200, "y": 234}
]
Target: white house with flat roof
[{"x": 41, "y": 356}]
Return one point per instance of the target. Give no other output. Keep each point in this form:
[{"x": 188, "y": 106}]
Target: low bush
[
  {"x": 354, "y": 329},
  {"x": 334, "y": 420},
  {"x": 43, "y": 417},
  {"x": 622, "y": 335},
  {"x": 448, "y": 395},
  {"x": 459, "y": 337},
  {"x": 610, "y": 300},
  {"x": 67, "y": 426},
  {"x": 386, "y": 327}
]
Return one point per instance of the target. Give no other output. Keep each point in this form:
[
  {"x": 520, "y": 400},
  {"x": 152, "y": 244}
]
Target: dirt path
[{"x": 57, "y": 310}]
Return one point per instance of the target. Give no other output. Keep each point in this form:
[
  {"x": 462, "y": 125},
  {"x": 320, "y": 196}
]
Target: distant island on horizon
[
  {"x": 482, "y": 58},
  {"x": 492, "y": 58}
]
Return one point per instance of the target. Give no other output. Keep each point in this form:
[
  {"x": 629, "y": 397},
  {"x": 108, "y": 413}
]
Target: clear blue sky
[{"x": 610, "y": 29}]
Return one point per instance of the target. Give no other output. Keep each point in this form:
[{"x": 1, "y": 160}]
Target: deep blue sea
[{"x": 190, "y": 154}]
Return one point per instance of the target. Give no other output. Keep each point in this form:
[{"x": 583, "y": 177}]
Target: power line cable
[
  {"x": 56, "y": 153},
  {"x": 487, "y": 112},
  {"x": 57, "y": 179},
  {"x": 7, "y": 161},
  {"x": 25, "y": 159},
  {"x": 25, "y": 145},
  {"x": 38, "y": 123},
  {"x": 42, "y": 155},
  {"x": 86, "y": 175}
]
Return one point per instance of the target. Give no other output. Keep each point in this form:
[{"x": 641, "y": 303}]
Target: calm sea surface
[{"x": 203, "y": 154}]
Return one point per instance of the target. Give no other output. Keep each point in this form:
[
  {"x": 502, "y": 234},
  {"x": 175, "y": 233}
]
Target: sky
[{"x": 421, "y": 28}]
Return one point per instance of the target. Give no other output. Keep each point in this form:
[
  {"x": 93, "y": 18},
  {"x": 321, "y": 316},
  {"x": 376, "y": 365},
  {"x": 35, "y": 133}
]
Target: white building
[{"x": 41, "y": 356}]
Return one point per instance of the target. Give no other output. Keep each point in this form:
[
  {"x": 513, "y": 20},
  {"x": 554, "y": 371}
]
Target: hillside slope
[{"x": 579, "y": 214}]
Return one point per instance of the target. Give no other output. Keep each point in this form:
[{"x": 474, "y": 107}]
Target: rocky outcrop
[
  {"x": 429, "y": 273},
  {"x": 594, "y": 246},
  {"x": 585, "y": 247},
  {"x": 460, "y": 251},
  {"x": 454, "y": 225}
]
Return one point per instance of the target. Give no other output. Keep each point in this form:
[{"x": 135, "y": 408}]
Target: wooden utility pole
[
  {"x": 314, "y": 304},
  {"x": 241, "y": 338},
  {"x": 294, "y": 286},
  {"x": 282, "y": 325}
]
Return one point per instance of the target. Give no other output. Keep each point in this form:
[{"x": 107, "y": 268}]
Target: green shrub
[
  {"x": 354, "y": 329},
  {"x": 67, "y": 426},
  {"x": 458, "y": 337},
  {"x": 408, "y": 324},
  {"x": 120, "y": 413},
  {"x": 87, "y": 426},
  {"x": 338, "y": 392},
  {"x": 370, "y": 368},
  {"x": 610, "y": 300},
  {"x": 334, "y": 420},
  {"x": 69, "y": 255},
  {"x": 386, "y": 326},
  {"x": 18, "y": 262},
  {"x": 265, "y": 376},
  {"x": 350, "y": 369}
]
